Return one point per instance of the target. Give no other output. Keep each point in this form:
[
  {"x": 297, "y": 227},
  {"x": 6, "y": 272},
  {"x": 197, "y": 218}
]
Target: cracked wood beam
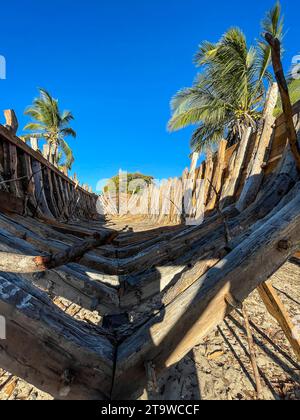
[
  {"x": 237, "y": 169},
  {"x": 265, "y": 136},
  {"x": 15, "y": 263}
]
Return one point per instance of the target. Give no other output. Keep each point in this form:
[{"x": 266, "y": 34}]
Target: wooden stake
[
  {"x": 264, "y": 139},
  {"x": 223, "y": 217},
  {"x": 152, "y": 385}
]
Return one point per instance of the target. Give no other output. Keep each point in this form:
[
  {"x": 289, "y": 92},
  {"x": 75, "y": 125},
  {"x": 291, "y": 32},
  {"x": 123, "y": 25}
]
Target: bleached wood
[
  {"x": 218, "y": 176},
  {"x": 255, "y": 169}
]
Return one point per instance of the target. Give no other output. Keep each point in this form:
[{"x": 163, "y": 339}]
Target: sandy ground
[{"x": 219, "y": 367}]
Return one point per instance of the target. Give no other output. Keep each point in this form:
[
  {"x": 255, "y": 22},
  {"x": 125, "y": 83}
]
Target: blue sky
[{"x": 116, "y": 64}]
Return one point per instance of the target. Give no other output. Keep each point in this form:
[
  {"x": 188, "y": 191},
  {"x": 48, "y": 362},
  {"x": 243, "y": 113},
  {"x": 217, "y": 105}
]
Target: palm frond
[
  {"x": 68, "y": 154},
  {"x": 273, "y": 23},
  {"x": 206, "y": 52},
  {"x": 34, "y": 127},
  {"x": 66, "y": 117},
  {"x": 230, "y": 91},
  {"x": 68, "y": 132},
  {"x": 205, "y": 137},
  {"x": 53, "y": 124}
]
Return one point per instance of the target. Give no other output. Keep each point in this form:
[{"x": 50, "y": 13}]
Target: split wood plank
[{"x": 255, "y": 168}]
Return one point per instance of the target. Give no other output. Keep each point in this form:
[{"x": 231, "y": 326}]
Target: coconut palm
[
  {"x": 228, "y": 95},
  {"x": 52, "y": 126}
]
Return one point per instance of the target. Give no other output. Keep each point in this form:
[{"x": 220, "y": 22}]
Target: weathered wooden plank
[
  {"x": 17, "y": 263},
  {"x": 8, "y": 137},
  {"x": 57, "y": 193},
  {"x": 209, "y": 169},
  {"x": 63, "y": 357},
  {"x": 91, "y": 291},
  {"x": 255, "y": 168},
  {"x": 39, "y": 189},
  {"x": 10, "y": 203},
  {"x": 237, "y": 168},
  {"x": 218, "y": 175},
  {"x": 50, "y": 193},
  {"x": 74, "y": 282},
  {"x": 30, "y": 190},
  {"x": 15, "y": 186},
  {"x": 65, "y": 198}
]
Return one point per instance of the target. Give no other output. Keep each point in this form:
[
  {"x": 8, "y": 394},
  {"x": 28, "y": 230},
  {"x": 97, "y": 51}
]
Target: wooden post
[
  {"x": 229, "y": 194},
  {"x": 252, "y": 353},
  {"x": 195, "y": 158},
  {"x": 46, "y": 149},
  {"x": 11, "y": 121},
  {"x": 276, "y": 308},
  {"x": 34, "y": 143},
  {"x": 216, "y": 183},
  {"x": 209, "y": 171},
  {"x": 285, "y": 97}
]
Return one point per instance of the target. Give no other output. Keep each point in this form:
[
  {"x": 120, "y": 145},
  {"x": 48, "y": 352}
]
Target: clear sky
[{"x": 115, "y": 64}]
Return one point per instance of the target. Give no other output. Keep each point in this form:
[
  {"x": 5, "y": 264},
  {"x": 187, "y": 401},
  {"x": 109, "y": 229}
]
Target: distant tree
[
  {"x": 130, "y": 177},
  {"x": 51, "y": 125}
]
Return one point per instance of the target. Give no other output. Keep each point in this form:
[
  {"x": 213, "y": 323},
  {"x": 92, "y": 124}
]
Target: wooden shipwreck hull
[{"x": 158, "y": 292}]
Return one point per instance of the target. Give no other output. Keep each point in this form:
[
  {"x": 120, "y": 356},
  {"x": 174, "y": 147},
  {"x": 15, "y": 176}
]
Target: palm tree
[
  {"x": 228, "y": 95},
  {"x": 51, "y": 125}
]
